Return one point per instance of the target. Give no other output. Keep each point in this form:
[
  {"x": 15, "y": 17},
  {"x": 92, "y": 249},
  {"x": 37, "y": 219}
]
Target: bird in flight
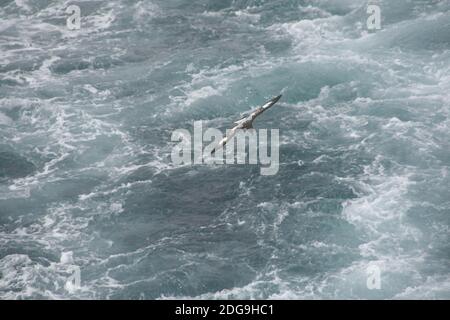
[{"x": 245, "y": 122}]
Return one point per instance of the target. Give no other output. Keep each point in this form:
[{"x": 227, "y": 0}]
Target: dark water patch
[
  {"x": 191, "y": 193},
  {"x": 4, "y": 3},
  {"x": 26, "y": 209},
  {"x": 51, "y": 92},
  {"x": 12, "y": 166},
  {"x": 10, "y": 83},
  {"x": 68, "y": 65},
  {"x": 25, "y": 65},
  {"x": 106, "y": 62},
  {"x": 67, "y": 189}
]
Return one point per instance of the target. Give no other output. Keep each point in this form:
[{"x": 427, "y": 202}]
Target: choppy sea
[{"x": 88, "y": 188}]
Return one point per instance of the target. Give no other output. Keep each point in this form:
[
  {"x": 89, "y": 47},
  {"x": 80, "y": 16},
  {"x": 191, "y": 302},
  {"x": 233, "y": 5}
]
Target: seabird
[{"x": 245, "y": 122}]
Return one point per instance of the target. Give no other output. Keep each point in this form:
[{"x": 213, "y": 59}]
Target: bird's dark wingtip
[{"x": 277, "y": 98}]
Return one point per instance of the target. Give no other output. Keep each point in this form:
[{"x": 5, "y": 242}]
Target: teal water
[{"x": 86, "y": 179}]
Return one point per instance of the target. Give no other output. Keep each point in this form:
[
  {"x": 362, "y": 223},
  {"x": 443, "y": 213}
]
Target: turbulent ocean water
[{"x": 87, "y": 182}]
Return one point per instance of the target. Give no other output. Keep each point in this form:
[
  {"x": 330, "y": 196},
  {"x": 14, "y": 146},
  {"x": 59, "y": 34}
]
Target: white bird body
[{"x": 246, "y": 122}]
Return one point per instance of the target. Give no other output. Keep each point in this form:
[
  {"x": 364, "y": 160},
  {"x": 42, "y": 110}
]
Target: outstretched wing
[
  {"x": 266, "y": 106},
  {"x": 239, "y": 123},
  {"x": 224, "y": 141}
]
